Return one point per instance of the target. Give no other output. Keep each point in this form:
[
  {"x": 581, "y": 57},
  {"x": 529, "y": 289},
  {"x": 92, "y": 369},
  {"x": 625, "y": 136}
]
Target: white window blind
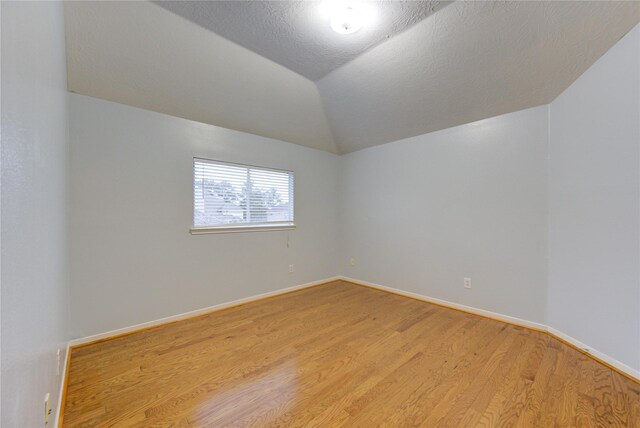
[{"x": 233, "y": 197}]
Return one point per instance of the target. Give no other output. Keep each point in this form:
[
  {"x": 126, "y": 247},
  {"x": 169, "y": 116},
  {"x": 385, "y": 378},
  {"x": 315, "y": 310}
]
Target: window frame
[{"x": 241, "y": 227}]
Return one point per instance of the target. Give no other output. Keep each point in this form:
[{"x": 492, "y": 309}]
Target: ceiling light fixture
[
  {"x": 347, "y": 16},
  {"x": 346, "y": 20}
]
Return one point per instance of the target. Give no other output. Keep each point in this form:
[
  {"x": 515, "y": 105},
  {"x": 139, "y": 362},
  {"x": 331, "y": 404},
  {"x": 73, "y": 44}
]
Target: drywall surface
[
  {"x": 422, "y": 214},
  {"x": 137, "y": 53},
  {"x": 132, "y": 257},
  {"x": 34, "y": 158},
  {"x": 594, "y": 205}
]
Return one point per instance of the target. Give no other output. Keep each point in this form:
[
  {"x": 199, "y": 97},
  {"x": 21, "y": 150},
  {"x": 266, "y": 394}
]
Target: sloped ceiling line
[
  {"x": 464, "y": 62},
  {"x": 296, "y": 34}
]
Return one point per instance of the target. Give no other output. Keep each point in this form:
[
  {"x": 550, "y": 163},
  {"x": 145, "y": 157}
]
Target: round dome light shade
[{"x": 346, "y": 21}]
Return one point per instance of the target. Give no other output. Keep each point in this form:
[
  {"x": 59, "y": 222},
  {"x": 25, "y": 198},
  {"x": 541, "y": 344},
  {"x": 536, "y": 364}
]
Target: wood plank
[{"x": 342, "y": 355}]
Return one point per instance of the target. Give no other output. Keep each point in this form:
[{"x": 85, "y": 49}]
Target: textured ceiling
[
  {"x": 296, "y": 34},
  {"x": 464, "y": 62},
  {"x": 469, "y": 61}
]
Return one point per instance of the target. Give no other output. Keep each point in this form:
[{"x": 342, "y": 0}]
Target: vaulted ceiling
[
  {"x": 276, "y": 69},
  {"x": 294, "y": 33}
]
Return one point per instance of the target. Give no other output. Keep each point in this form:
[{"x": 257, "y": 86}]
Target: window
[{"x": 230, "y": 197}]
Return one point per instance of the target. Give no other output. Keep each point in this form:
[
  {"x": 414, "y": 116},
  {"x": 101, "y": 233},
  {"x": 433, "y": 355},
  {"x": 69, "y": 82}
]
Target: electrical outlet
[
  {"x": 352, "y": 261},
  {"x": 47, "y": 408},
  {"x": 467, "y": 283},
  {"x": 290, "y": 268}
]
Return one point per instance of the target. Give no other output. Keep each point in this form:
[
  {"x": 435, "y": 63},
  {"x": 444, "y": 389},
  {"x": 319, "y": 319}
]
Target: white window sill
[{"x": 242, "y": 228}]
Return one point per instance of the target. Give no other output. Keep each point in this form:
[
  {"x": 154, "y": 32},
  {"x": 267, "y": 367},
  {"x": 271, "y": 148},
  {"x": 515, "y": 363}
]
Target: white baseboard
[
  {"x": 191, "y": 314},
  {"x": 600, "y": 356},
  {"x": 63, "y": 384},
  {"x": 476, "y": 311},
  {"x": 631, "y": 372},
  {"x": 608, "y": 360},
  {"x": 597, "y": 354}
]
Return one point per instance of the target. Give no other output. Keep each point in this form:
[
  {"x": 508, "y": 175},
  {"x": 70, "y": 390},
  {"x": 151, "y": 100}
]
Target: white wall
[
  {"x": 34, "y": 159},
  {"x": 132, "y": 257},
  {"x": 594, "y": 205},
  {"x": 492, "y": 200},
  {"x": 423, "y": 213},
  {"x": 418, "y": 214},
  {"x": 480, "y": 200}
]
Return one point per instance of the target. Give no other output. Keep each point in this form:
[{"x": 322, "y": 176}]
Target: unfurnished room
[{"x": 326, "y": 213}]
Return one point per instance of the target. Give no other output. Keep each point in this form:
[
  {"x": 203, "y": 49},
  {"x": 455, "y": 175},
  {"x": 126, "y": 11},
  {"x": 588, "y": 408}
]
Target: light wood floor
[{"x": 343, "y": 355}]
